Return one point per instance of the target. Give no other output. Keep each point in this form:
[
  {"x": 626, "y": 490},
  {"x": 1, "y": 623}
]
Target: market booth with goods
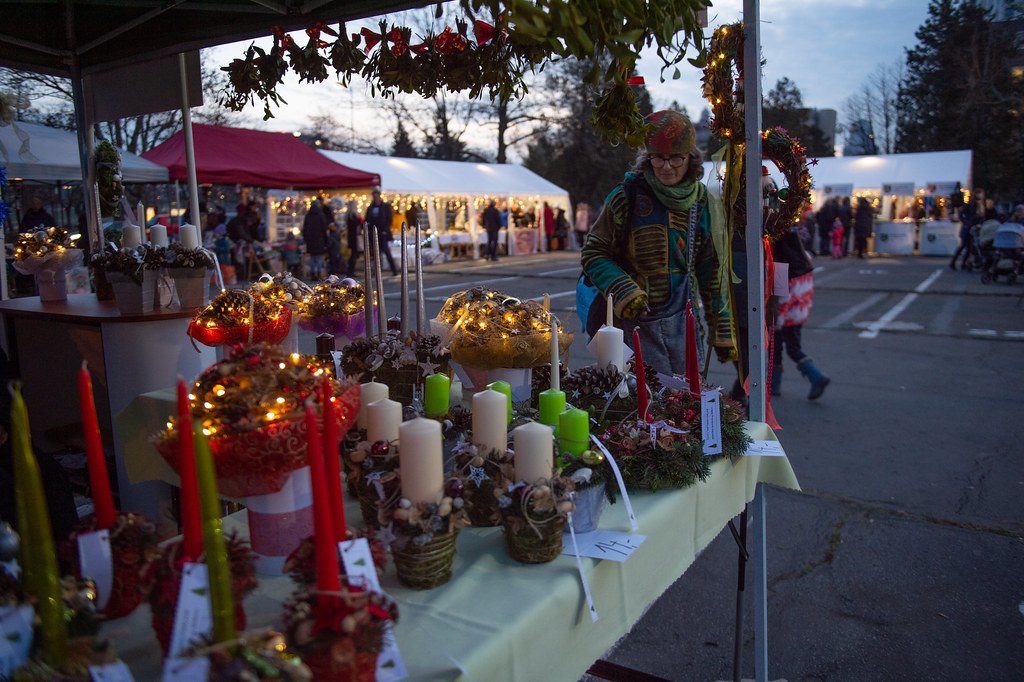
[{"x": 381, "y": 483}]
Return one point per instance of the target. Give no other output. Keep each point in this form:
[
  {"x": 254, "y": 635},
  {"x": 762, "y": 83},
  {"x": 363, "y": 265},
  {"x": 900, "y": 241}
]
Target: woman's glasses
[{"x": 673, "y": 161}]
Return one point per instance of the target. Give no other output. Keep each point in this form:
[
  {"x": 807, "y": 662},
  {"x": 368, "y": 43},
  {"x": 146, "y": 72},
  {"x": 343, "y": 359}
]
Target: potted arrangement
[
  {"x": 47, "y": 255},
  {"x": 190, "y": 270},
  {"x": 132, "y": 272}
]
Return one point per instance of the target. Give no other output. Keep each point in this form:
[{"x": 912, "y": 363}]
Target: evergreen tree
[
  {"x": 784, "y": 107},
  {"x": 403, "y": 145},
  {"x": 959, "y": 92}
]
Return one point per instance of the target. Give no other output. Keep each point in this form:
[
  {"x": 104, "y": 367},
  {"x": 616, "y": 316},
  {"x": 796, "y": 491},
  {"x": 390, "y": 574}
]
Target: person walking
[
  {"x": 838, "y": 232},
  {"x": 314, "y": 234},
  {"x": 826, "y": 216},
  {"x": 582, "y": 223},
  {"x": 492, "y": 223},
  {"x": 846, "y": 218},
  {"x": 863, "y": 226},
  {"x": 548, "y": 218},
  {"x": 651, "y": 244},
  {"x": 969, "y": 215},
  {"x": 333, "y": 241},
  {"x": 36, "y": 217},
  {"x": 353, "y": 236},
  {"x": 378, "y": 215},
  {"x": 793, "y": 313}
]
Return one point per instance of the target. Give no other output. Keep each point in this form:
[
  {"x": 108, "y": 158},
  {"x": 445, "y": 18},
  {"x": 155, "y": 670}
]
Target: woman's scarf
[{"x": 677, "y": 197}]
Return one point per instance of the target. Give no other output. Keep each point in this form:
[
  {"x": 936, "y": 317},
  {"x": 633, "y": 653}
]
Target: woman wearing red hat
[{"x": 653, "y": 247}]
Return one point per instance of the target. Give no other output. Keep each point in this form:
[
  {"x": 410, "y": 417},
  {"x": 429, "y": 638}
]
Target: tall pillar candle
[
  {"x": 140, "y": 217},
  {"x": 641, "y": 376},
  {"x": 574, "y": 431},
  {"x": 158, "y": 235},
  {"x": 191, "y": 516},
  {"x": 535, "y": 455},
  {"x": 504, "y": 388},
  {"x": 421, "y": 306},
  {"x": 551, "y": 404},
  {"x": 131, "y": 236},
  {"x": 222, "y": 608},
  {"x": 455, "y": 392},
  {"x": 404, "y": 309},
  {"x": 367, "y": 282},
  {"x": 382, "y": 312},
  {"x": 382, "y": 420},
  {"x": 608, "y": 347},
  {"x": 370, "y": 392},
  {"x": 99, "y": 482},
  {"x": 420, "y": 460},
  {"x": 332, "y": 459},
  {"x": 490, "y": 424},
  {"x": 435, "y": 395},
  {"x": 609, "y": 311},
  {"x": 556, "y": 364},
  {"x": 189, "y": 236},
  {"x": 325, "y": 544},
  {"x": 692, "y": 364},
  {"x": 38, "y": 555}
]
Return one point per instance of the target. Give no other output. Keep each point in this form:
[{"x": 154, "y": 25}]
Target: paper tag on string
[
  {"x": 192, "y": 615},
  {"x": 711, "y": 421},
  {"x": 618, "y": 479},
  {"x": 359, "y": 567},
  {"x": 97, "y": 563},
  {"x": 111, "y": 672},
  {"x": 765, "y": 448},
  {"x": 591, "y": 607},
  {"x": 781, "y": 284},
  {"x": 608, "y": 544},
  {"x": 662, "y": 425}
]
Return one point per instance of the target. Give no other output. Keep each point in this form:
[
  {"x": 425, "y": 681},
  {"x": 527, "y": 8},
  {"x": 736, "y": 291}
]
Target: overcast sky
[{"x": 826, "y": 47}]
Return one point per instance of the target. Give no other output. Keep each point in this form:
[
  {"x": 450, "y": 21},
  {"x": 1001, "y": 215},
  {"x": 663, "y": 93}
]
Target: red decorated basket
[{"x": 270, "y": 330}]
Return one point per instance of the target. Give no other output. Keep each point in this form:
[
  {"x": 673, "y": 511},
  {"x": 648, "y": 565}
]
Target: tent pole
[
  {"x": 190, "y": 150},
  {"x": 509, "y": 224},
  {"x": 83, "y": 130}
]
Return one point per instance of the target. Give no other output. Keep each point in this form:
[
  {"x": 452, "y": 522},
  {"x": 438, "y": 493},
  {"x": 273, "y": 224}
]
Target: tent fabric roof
[
  {"x": 52, "y": 156},
  {"x": 871, "y": 172},
  {"x": 422, "y": 176},
  {"x": 255, "y": 157}
]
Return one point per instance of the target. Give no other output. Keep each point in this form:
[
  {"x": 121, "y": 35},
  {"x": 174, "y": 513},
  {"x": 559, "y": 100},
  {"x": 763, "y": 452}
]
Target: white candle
[
  {"x": 555, "y": 378},
  {"x": 547, "y": 303},
  {"x": 131, "y": 236},
  {"x": 382, "y": 420},
  {"x": 368, "y": 393},
  {"x": 535, "y": 454},
  {"x": 140, "y": 215},
  {"x": 455, "y": 392},
  {"x": 158, "y": 235},
  {"x": 490, "y": 421},
  {"x": 609, "y": 311},
  {"x": 189, "y": 235},
  {"x": 609, "y": 348},
  {"x": 420, "y": 460},
  {"x": 404, "y": 310}
]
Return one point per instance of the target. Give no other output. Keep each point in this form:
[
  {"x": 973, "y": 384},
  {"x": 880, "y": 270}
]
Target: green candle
[
  {"x": 552, "y": 404},
  {"x": 435, "y": 395},
  {"x": 222, "y": 608},
  {"x": 506, "y": 388},
  {"x": 38, "y": 556},
  {"x": 574, "y": 431}
]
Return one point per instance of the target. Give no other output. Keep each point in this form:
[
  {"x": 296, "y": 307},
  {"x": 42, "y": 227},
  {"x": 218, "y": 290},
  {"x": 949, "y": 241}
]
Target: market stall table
[
  {"x": 939, "y": 238},
  {"x": 895, "y": 238},
  {"x": 127, "y": 354},
  {"x": 501, "y": 620}
]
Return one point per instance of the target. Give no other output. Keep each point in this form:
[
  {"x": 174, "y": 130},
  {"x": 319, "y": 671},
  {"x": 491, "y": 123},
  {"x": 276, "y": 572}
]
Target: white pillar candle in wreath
[
  {"x": 382, "y": 420},
  {"x": 369, "y": 392},
  {"x": 608, "y": 347},
  {"x": 131, "y": 236},
  {"x": 189, "y": 235},
  {"x": 420, "y": 460},
  {"x": 490, "y": 421},
  {"x": 158, "y": 235},
  {"x": 534, "y": 444}
]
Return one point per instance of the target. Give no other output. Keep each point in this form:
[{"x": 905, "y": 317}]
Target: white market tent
[
  {"x": 51, "y": 155},
  {"x": 429, "y": 178}
]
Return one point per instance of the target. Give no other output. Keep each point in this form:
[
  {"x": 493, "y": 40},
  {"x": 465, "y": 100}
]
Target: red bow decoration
[
  {"x": 483, "y": 31},
  {"x": 635, "y": 80},
  {"x": 280, "y": 36},
  {"x": 398, "y": 44},
  {"x": 449, "y": 42},
  {"x": 316, "y": 29},
  {"x": 371, "y": 38}
]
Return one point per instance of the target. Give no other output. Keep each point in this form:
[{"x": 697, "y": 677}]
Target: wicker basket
[
  {"x": 424, "y": 567},
  {"x": 536, "y": 544}
]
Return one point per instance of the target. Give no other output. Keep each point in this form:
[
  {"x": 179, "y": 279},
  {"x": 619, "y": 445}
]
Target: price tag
[
  {"x": 97, "y": 563},
  {"x": 781, "y": 281},
  {"x": 711, "y": 421},
  {"x": 765, "y": 448},
  {"x": 15, "y": 638},
  {"x": 359, "y": 567},
  {"x": 607, "y": 544},
  {"x": 112, "y": 672},
  {"x": 192, "y": 617}
]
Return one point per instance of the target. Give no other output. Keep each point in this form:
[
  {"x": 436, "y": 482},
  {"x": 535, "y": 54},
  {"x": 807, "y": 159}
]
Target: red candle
[
  {"x": 102, "y": 498},
  {"x": 325, "y": 545},
  {"x": 332, "y": 461},
  {"x": 641, "y": 376},
  {"x": 692, "y": 364},
  {"x": 191, "y": 521}
]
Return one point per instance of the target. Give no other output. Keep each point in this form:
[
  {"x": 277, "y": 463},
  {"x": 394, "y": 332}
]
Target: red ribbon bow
[
  {"x": 635, "y": 80},
  {"x": 316, "y": 29},
  {"x": 449, "y": 42},
  {"x": 483, "y": 31},
  {"x": 281, "y": 36},
  {"x": 398, "y": 44},
  {"x": 371, "y": 38}
]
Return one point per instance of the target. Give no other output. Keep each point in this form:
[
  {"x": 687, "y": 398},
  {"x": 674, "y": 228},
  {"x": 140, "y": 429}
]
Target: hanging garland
[
  {"x": 483, "y": 58},
  {"x": 724, "y": 93},
  {"x": 108, "y": 177}
]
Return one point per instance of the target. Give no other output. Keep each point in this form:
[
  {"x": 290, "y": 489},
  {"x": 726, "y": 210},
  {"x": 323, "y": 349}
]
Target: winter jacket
[{"x": 314, "y": 232}]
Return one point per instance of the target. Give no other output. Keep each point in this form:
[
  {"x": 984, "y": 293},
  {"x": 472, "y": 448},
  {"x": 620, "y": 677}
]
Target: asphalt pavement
[{"x": 901, "y": 558}]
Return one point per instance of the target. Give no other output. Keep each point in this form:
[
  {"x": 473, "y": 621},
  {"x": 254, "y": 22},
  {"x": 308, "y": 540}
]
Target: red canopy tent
[{"x": 229, "y": 156}]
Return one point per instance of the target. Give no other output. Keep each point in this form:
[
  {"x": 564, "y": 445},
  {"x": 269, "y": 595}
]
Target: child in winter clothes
[{"x": 837, "y": 239}]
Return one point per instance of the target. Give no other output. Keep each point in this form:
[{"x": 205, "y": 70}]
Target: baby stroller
[{"x": 1008, "y": 256}]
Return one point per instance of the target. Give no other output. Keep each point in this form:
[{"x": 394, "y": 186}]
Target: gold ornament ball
[{"x": 591, "y": 457}]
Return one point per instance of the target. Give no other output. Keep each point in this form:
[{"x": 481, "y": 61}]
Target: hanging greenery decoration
[{"x": 489, "y": 52}]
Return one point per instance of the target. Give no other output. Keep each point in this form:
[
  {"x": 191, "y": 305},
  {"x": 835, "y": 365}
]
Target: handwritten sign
[
  {"x": 711, "y": 421},
  {"x": 607, "y": 544},
  {"x": 765, "y": 448}
]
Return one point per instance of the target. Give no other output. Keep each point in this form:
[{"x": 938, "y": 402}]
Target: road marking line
[
  {"x": 853, "y": 311},
  {"x": 1014, "y": 335},
  {"x": 872, "y": 331},
  {"x": 575, "y": 268},
  {"x": 943, "y": 322},
  {"x": 559, "y": 295},
  {"x": 983, "y": 332}
]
